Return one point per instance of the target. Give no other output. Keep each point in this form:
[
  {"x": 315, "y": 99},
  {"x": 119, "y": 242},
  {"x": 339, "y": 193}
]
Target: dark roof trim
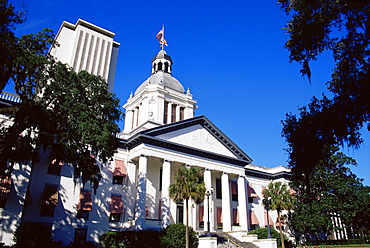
[{"x": 271, "y": 176}]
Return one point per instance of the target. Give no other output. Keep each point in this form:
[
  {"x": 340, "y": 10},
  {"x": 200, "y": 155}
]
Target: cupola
[
  {"x": 162, "y": 62},
  {"x": 159, "y": 100}
]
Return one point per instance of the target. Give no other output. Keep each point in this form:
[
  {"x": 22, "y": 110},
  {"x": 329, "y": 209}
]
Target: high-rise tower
[{"x": 85, "y": 46}]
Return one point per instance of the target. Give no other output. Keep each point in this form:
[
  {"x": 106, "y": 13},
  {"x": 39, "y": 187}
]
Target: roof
[
  {"x": 162, "y": 78},
  {"x": 89, "y": 26},
  {"x": 269, "y": 173},
  {"x": 149, "y": 137}
]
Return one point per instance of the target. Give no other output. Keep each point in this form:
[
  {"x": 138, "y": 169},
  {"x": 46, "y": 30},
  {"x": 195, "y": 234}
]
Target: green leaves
[
  {"x": 70, "y": 113},
  {"x": 330, "y": 191},
  {"x": 9, "y": 18},
  {"x": 278, "y": 196},
  {"x": 186, "y": 185},
  {"x": 342, "y": 28}
]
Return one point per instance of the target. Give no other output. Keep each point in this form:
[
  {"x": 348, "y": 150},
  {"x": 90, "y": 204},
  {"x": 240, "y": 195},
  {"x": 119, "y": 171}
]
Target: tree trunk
[
  {"x": 187, "y": 222},
  {"x": 281, "y": 231}
]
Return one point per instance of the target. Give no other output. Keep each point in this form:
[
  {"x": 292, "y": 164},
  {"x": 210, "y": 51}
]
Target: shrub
[
  {"x": 174, "y": 237},
  {"x": 88, "y": 244},
  {"x": 34, "y": 235},
  {"x": 131, "y": 239},
  {"x": 262, "y": 234}
]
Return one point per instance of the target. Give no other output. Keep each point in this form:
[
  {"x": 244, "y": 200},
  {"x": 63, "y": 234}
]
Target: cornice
[
  {"x": 270, "y": 176},
  {"x": 149, "y": 140}
]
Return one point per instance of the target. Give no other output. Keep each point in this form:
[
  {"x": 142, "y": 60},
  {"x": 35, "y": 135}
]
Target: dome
[{"x": 162, "y": 78}]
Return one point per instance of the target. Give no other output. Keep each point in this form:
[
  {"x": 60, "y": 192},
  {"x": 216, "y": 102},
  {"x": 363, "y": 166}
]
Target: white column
[
  {"x": 141, "y": 192},
  {"x": 128, "y": 120},
  {"x": 131, "y": 191},
  {"x": 166, "y": 172},
  {"x": 193, "y": 215},
  {"x": 242, "y": 201},
  {"x": 207, "y": 208},
  {"x": 226, "y": 211}
]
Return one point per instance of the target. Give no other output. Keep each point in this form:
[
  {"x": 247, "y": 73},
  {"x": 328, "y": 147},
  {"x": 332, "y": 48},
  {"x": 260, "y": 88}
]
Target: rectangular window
[
  {"x": 116, "y": 208},
  {"x": 201, "y": 216},
  {"x": 218, "y": 189},
  {"x": 160, "y": 179},
  {"x": 114, "y": 217},
  {"x": 117, "y": 180},
  {"x": 5, "y": 183},
  {"x": 50, "y": 200},
  {"x": 234, "y": 191},
  {"x": 137, "y": 116},
  {"x": 85, "y": 204},
  {"x": 235, "y": 217},
  {"x": 182, "y": 113},
  {"x": 173, "y": 112},
  {"x": 83, "y": 214},
  {"x": 54, "y": 167},
  {"x": 165, "y": 112},
  {"x": 80, "y": 236},
  {"x": 133, "y": 119},
  {"x": 219, "y": 218}
]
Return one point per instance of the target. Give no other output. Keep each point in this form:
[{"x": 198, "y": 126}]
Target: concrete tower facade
[{"x": 85, "y": 46}]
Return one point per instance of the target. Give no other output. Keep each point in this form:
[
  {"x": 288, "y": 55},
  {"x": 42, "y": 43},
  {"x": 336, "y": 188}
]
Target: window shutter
[
  {"x": 116, "y": 205},
  {"x": 120, "y": 168},
  {"x": 85, "y": 200}
]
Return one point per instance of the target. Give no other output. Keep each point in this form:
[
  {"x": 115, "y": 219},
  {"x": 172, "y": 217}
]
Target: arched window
[
  {"x": 159, "y": 66},
  {"x": 166, "y": 66}
]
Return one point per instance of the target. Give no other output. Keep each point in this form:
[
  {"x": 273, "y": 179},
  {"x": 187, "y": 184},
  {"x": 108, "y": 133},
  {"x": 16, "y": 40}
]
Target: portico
[{"x": 150, "y": 170}]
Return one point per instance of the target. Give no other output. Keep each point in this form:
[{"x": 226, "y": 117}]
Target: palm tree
[
  {"x": 187, "y": 186},
  {"x": 277, "y": 197}
]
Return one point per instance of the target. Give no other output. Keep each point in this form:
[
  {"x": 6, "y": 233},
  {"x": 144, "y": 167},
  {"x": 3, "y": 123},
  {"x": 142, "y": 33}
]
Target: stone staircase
[{"x": 225, "y": 240}]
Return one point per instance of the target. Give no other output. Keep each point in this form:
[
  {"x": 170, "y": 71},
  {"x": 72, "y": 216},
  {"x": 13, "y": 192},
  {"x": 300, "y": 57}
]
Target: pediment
[
  {"x": 198, "y": 133},
  {"x": 197, "y": 137}
]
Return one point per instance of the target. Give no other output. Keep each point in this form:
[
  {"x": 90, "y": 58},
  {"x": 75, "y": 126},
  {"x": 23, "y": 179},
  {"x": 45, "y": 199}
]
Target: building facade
[
  {"x": 85, "y": 46},
  {"x": 160, "y": 134}
]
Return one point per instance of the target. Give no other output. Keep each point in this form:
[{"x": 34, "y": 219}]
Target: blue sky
[{"x": 229, "y": 53}]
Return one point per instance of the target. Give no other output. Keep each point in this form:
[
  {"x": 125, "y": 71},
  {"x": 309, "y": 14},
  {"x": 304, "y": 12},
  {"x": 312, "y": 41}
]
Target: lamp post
[
  {"x": 208, "y": 193},
  {"x": 268, "y": 224}
]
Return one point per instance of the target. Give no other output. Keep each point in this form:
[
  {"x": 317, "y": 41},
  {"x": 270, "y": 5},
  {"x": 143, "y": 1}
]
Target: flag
[{"x": 160, "y": 37}]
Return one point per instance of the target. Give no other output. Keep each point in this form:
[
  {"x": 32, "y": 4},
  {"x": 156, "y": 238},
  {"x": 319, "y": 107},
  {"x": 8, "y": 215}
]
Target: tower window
[
  {"x": 182, "y": 113},
  {"x": 166, "y": 66},
  {"x": 137, "y": 116},
  {"x": 165, "y": 112},
  {"x": 133, "y": 120},
  {"x": 159, "y": 66},
  {"x": 173, "y": 113}
]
